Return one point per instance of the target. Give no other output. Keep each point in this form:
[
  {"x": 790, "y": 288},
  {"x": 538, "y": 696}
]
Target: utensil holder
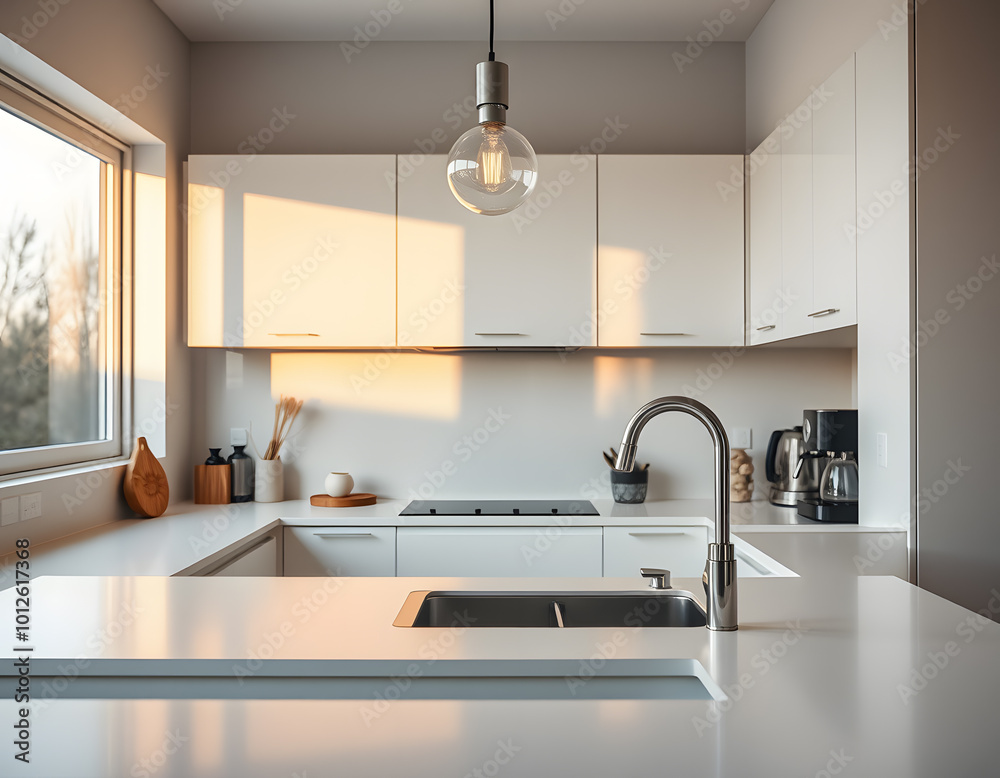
[
  {"x": 269, "y": 481},
  {"x": 630, "y": 487}
]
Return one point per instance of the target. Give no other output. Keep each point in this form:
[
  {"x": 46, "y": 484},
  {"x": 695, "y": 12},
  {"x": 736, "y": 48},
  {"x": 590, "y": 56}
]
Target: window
[{"x": 61, "y": 184}]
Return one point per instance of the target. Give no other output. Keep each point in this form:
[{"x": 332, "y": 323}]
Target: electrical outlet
[
  {"x": 8, "y": 511},
  {"x": 238, "y": 436},
  {"x": 31, "y": 506},
  {"x": 741, "y": 437},
  {"x": 882, "y": 449}
]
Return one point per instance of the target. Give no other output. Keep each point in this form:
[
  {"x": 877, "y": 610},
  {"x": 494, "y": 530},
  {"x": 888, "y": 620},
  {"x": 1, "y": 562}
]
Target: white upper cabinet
[
  {"x": 292, "y": 251},
  {"x": 835, "y": 269},
  {"x": 803, "y": 212},
  {"x": 797, "y": 221},
  {"x": 671, "y": 255},
  {"x": 767, "y": 296},
  {"x": 523, "y": 279}
]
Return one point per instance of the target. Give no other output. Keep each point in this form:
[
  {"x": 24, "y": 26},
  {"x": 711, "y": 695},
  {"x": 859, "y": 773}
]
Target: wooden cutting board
[
  {"x": 146, "y": 489},
  {"x": 350, "y": 501}
]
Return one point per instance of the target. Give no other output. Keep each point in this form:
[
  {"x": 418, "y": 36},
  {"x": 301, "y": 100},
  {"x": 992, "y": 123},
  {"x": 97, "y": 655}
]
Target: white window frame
[{"x": 27, "y": 103}]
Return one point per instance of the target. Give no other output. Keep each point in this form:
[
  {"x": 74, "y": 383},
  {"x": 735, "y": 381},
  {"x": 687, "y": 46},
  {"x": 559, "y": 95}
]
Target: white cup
[{"x": 338, "y": 484}]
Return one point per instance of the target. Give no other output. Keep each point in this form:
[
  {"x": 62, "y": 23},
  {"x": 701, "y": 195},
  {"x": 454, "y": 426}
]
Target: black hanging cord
[{"x": 492, "y": 55}]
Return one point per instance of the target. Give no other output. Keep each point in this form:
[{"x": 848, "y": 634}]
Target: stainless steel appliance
[
  {"x": 784, "y": 452},
  {"x": 830, "y": 437}
]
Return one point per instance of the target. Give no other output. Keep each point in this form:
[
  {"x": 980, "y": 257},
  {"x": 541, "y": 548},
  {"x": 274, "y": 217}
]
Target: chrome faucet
[{"x": 720, "y": 569}]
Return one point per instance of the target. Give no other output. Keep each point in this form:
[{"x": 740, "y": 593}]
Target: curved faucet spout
[{"x": 720, "y": 570}]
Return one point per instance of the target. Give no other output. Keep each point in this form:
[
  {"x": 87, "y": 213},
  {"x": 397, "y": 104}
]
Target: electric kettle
[
  {"x": 784, "y": 450},
  {"x": 839, "y": 483}
]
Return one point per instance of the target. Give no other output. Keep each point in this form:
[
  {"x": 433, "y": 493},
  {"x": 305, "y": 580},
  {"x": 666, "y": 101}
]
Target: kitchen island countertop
[{"x": 871, "y": 677}]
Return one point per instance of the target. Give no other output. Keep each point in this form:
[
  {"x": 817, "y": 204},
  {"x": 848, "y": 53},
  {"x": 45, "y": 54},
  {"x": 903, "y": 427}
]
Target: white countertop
[
  {"x": 814, "y": 671},
  {"x": 188, "y": 536}
]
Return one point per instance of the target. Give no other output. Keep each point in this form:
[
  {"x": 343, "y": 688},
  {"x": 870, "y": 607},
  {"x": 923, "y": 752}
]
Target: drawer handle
[
  {"x": 342, "y": 534},
  {"x": 824, "y": 312},
  {"x": 751, "y": 563},
  {"x": 233, "y": 559},
  {"x": 666, "y": 334},
  {"x": 501, "y": 334},
  {"x": 293, "y": 334},
  {"x": 768, "y": 327},
  {"x": 662, "y": 533}
]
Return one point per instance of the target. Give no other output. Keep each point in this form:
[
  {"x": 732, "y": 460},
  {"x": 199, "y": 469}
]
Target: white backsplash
[{"x": 507, "y": 424}]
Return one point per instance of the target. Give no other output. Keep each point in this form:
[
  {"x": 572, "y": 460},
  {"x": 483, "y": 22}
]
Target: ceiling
[{"x": 465, "y": 20}]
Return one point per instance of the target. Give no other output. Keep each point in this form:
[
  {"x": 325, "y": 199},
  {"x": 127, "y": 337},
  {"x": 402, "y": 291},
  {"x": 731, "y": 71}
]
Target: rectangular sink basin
[{"x": 669, "y": 608}]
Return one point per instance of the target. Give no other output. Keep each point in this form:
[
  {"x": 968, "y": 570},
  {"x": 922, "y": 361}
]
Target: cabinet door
[
  {"x": 340, "y": 551},
  {"x": 521, "y": 279},
  {"x": 767, "y": 299},
  {"x": 292, "y": 251},
  {"x": 796, "y": 221},
  {"x": 260, "y": 559},
  {"x": 835, "y": 267},
  {"x": 681, "y": 550},
  {"x": 500, "y": 552},
  {"x": 671, "y": 263}
]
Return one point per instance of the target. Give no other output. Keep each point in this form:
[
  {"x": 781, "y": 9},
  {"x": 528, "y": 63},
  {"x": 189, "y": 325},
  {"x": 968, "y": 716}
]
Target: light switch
[
  {"x": 8, "y": 511},
  {"x": 882, "y": 449},
  {"x": 31, "y": 506},
  {"x": 740, "y": 437},
  {"x": 237, "y": 436}
]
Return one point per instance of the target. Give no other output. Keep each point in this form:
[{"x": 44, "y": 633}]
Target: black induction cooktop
[{"x": 499, "y": 508}]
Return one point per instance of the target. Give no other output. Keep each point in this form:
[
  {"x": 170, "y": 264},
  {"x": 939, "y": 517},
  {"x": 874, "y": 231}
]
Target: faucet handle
[{"x": 658, "y": 579}]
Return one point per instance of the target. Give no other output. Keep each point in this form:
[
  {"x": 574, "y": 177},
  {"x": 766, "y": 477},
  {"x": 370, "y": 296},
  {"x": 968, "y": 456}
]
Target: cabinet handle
[
  {"x": 665, "y": 334},
  {"x": 748, "y": 561},
  {"x": 661, "y": 533},
  {"x": 293, "y": 334},
  {"x": 768, "y": 327},
  {"x": 342, "y": 534},
  {"x": 230, "y": 560},
  {"x": 825, "y": 312},
  {"x": 501, "y": 334}
]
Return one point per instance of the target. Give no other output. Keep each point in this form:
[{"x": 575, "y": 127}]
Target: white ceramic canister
[
  {"x": 269, "y": 481},
  {"x": 338, "y": 484}
]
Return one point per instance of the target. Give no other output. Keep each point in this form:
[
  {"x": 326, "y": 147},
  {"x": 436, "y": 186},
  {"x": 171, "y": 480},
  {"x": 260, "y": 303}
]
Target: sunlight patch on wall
[
  {"x": 382, "y": 382},
  {"x": 617, "y": 377}
]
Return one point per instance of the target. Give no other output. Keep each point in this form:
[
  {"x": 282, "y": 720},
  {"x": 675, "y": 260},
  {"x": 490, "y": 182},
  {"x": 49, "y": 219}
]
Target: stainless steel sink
[{"x": 670, "y": 608}]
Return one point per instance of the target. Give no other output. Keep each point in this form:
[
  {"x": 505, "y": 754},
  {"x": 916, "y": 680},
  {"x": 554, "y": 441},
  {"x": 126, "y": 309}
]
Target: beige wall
[
  {"x": 390, "y": 95},
  {"x": 106, "y": 47},
  {"x": 958, "y": 301},
  {"x": 797, "y": 46}
]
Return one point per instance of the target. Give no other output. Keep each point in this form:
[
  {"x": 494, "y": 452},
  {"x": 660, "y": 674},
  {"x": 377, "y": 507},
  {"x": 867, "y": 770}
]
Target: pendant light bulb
[{"x": 492, "y": 168}]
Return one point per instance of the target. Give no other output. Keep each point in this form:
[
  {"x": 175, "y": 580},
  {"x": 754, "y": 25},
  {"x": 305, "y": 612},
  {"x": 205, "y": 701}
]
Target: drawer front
[
  {"x": 340, "y": 551},
  {"x": 500, "y": 552},
  {"x": 261, "y": 559},
  {"x": 681, "y": 550}
]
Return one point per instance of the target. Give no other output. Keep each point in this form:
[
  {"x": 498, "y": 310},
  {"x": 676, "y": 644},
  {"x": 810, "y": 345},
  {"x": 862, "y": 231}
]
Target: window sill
[{"x": 21, "y": 480}]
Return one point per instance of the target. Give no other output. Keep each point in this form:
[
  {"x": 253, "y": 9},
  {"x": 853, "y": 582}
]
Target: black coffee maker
[{"x": 831, "y": 436}]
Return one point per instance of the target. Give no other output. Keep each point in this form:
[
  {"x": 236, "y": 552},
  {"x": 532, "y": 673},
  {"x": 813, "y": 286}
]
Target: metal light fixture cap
[{"x": 491, "y": 91}]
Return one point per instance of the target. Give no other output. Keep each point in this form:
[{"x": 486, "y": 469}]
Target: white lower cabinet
[
  {"x": 340, "y": 551},
  {"x": 260, "y": 558},
  {"x": 681, "y": 550},
  {"x": 500, "y": 552}
]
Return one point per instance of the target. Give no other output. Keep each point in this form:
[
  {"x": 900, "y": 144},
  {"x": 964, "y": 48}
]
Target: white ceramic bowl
[{"x": 338, "y": 484}]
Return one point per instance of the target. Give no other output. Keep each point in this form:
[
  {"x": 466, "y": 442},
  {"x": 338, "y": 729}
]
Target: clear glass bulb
[{"x": 492, "y": 169}]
